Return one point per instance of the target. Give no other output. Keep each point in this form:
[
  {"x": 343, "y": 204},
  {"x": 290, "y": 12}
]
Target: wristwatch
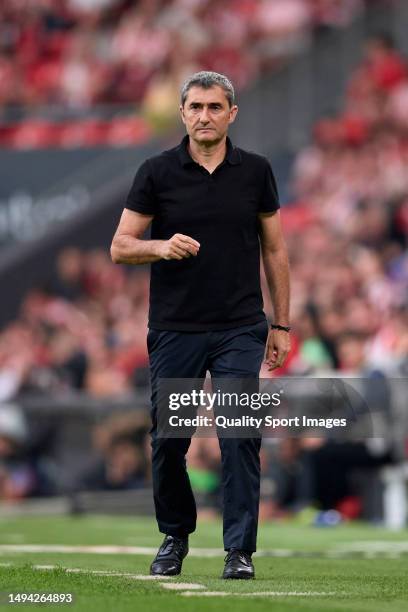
[{"x": 281, "y": 327}]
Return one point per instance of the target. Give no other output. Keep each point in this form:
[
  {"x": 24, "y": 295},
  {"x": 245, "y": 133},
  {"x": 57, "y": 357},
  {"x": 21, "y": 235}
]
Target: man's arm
[
  {"x": 276, "y": 265},
  {"x": 129, "y": 247}
]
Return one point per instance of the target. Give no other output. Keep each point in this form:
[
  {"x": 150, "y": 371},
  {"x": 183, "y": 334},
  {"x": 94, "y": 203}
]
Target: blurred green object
[
  {"x": 314, "y": 353},
  {"x": 306, "y": 516},
  {"x": 203, "y": 481}
]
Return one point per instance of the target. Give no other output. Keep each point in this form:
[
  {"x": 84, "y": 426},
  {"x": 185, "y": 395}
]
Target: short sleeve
[
  {"x": 141, "y": 196},
  {"x": 269, "y": 198}
]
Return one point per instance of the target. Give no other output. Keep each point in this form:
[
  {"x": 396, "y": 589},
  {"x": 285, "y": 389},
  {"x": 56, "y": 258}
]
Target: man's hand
[
  {"x": 277, "y": 348},
  {"x": 178, "y": 247},
  {"x": 128, "y": 245}
]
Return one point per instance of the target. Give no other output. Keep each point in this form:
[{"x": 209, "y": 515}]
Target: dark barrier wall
[{"x": 81, "y": 208}]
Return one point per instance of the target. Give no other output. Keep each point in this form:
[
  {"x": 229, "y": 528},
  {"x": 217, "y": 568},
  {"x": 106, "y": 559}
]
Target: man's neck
[{"x": 210, "y": 156}]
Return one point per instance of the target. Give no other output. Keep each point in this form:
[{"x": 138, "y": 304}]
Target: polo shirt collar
[{"x": 233, "y": 156}]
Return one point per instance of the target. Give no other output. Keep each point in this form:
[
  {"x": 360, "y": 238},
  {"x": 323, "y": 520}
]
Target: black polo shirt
[{"x": 220, "y": 287}]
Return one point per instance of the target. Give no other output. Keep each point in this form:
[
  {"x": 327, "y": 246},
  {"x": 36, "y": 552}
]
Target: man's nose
[{"x": 204, "y": 116}]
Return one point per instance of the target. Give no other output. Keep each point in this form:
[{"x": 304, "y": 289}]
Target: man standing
[{"x": 210, "y": 205}]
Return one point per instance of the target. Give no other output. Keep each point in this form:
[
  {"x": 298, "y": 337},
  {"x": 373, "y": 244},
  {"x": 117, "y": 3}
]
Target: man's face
[{"x": 207, "y": 114}]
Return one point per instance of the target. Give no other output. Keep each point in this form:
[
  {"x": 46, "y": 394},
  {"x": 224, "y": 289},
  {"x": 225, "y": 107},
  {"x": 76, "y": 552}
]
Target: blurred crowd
[
  {"x": 347, "y": 230},
  {"x": 347, "y": 226},
  {"x": 82, "y": 52},
  {"x": 79, "y": 54},
  {"x": 85, "y": 331}
]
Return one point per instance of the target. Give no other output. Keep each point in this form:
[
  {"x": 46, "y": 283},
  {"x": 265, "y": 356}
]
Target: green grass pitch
[{"x": 354, "y": 568}]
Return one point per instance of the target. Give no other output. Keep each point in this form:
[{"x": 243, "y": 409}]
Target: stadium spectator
[
  {"x": 121, "y": 468},
  {"x": 121, "y": 458},
  {"x": 18, "y": 478},
  {"x": 68, "y": 278}
]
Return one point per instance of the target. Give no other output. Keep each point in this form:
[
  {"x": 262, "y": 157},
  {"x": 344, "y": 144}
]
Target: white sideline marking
[
  {"x": 372, "y": 549},
  {"x": 58, "y": 548},
  {"x": 83, "y": 570},
  {"x": 181, "y": 586},
  {"x": 259, "y": 594},
  {"x": 148, "y": 577},
  {"x": 79, "y": 570},
  {"x": 102, "y": 550}
]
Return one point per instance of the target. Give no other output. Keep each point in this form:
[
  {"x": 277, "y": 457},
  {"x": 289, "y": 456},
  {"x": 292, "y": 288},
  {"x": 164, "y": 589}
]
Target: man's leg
[
  {"x": 239, "y": 353},
  {"x": 173, "y": 355}
]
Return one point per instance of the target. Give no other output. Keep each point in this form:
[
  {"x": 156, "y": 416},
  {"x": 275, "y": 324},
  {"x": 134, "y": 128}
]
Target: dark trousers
[{"x": 234, "y": 353}]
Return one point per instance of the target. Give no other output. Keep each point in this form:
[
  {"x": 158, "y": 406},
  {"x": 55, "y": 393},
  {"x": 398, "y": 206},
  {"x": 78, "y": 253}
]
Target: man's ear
[
  {"x": 182, "y": 113},
  {"x": 233, "y": 113}
]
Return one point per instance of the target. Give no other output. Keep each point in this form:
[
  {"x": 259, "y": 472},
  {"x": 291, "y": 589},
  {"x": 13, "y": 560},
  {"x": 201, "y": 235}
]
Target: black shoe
[
  {"x": 238, "y": 564},
  {"x": 169, "y": 558}
]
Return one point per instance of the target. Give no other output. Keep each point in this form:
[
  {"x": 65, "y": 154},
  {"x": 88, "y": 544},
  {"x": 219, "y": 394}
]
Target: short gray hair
[{"x": 206, "y": 80}]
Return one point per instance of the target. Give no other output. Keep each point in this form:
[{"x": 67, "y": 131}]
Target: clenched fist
[{"x": 179, "y": 247}]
